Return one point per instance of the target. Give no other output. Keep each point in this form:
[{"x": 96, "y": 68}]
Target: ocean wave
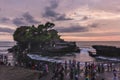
[{"x": 107, "y": 58}]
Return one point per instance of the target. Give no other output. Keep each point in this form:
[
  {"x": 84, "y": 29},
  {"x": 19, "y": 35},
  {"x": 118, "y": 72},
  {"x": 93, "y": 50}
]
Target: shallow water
[{"x": 83, "y": 56}]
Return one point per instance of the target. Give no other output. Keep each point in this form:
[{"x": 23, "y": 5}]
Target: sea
[{"x": 82, "y": 56}]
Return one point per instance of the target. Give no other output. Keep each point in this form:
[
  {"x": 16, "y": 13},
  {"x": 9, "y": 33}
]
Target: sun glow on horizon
[{"x": 103, "y": 38}]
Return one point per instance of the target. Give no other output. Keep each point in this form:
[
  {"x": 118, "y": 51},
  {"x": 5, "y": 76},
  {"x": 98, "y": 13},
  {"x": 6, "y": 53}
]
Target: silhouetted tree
[{"x": 31, "y": 38}]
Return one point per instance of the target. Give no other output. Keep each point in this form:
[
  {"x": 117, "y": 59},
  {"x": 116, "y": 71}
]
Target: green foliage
[
  {"x": 34, "y": 37},
  {"x": 42, "y": 33}
]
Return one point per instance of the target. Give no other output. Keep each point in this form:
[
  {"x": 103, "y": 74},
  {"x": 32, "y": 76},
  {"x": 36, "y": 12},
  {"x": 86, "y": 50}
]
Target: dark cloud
[
  {"x": 71, "y": 29},
  {"x": 52, "y": 14},
  {"x": 94, "y": 25},
  {"x": 85, "y": 18},
  {"x": 8, "y": 30},
  {"x": 62, "y": 18},
  {"x": 49, "y": 10},
  {"x": 4, "y": 19},
  {"x": 25, "y": 19},
  {"x": 29, "y": 18},
  {"x": 19, "y": 21},
  {"x": 54, "y": 4}
]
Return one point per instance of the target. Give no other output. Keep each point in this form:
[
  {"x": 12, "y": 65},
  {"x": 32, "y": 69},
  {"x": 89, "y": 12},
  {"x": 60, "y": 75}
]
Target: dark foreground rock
[
  {"x": 108, "y": 51},
  {"x": 92, "y": 55}
]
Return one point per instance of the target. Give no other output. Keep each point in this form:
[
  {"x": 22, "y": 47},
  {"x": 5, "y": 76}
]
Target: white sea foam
[
  {"x": 38, "y": 57},
  {"x": 108, "y": 58}
]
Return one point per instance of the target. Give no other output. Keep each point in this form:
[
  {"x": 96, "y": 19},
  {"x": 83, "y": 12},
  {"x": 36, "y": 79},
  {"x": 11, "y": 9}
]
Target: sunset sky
[{"x": 76, "y": 20}]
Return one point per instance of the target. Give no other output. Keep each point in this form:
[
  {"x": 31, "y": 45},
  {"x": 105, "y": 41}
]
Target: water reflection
[{"x": 83, "y": 56}]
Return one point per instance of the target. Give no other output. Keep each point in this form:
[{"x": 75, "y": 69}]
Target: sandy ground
[
  {"x": 100, "y": 76},
  {"x": 17, "y": 73},
  {"x": 106, "y": 76}
]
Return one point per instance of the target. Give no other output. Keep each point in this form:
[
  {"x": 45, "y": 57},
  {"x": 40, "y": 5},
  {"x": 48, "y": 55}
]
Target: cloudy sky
[{"x": 76, "y": 20}]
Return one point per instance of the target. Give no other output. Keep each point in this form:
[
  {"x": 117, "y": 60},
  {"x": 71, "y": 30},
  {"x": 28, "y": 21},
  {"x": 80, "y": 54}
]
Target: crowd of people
[
  {"x": 72, "y": 69},
  {"x": 75, "y": 70},
  {"x": 3, "y": 61}
]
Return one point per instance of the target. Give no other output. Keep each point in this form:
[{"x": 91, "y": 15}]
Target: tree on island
[
  {"x": 33, "y": 39},
  {"x": 31, "y": 36},
  {"x": 42, "y": 39}
]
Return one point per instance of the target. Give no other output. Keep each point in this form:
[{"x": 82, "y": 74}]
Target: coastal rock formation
[
  {"x": 64, "y": 47},
  {"x": 108, "y": 51},
  {"x": 61, "y": 48},
  {"x": 92, "y": 55},
  {"x": 42, "y": 39}
]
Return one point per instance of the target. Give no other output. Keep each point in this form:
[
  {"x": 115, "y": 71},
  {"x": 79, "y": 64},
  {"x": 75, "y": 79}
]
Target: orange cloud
[
  {"x": 6, "y": 38},
  {"x": 101, "y": 38}
]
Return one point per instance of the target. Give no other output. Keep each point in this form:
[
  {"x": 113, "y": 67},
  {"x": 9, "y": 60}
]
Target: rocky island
[
  {"x": 107, "y": 51},
  {"x": 42, "y": 40}
]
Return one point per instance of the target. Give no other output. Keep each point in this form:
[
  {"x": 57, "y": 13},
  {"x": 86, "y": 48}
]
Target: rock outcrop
[
  {"x": 108, "y": 51},
  {"x": 61, "y": 48}
]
